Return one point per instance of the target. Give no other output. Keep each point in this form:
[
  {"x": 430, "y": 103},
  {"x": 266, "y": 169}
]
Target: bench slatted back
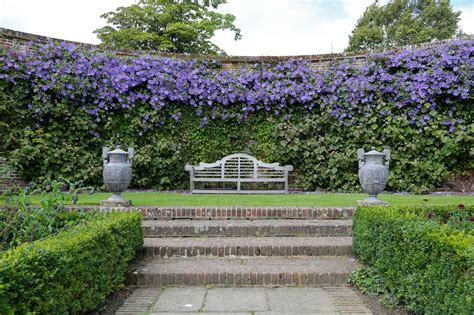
[{"x": 239, "y": 168}]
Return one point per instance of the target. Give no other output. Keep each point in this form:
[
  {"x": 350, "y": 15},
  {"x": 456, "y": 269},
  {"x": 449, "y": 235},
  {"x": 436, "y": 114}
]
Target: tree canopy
[
  {"x": 167, "y": 25},
  {"x": 403, "y": 22}
]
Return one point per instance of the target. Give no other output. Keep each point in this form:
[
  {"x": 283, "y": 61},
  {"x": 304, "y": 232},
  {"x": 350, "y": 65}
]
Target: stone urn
[
  {"x": 117, "y": 175},
  {"x": 373, "y": 174}
]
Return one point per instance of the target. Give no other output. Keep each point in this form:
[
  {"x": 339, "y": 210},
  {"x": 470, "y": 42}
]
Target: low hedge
[
  {"x": 421, "y": 258},
  {"x": 72, "y": 272}
]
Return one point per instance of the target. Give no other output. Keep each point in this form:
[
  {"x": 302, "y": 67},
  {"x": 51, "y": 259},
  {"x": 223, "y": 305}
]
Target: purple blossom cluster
[{"x": 421, "y": 86}]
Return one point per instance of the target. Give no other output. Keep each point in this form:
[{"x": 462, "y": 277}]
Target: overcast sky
[{"x": 269, "y": 27}]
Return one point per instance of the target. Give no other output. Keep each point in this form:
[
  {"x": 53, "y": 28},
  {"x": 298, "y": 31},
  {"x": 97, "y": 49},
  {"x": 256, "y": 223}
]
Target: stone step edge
[
  {"x": 231, "y": 212},
  {"x": 244, "y": 250},
  {"x": 242, "y": 230},
  {"x": 244, "y": 279}
]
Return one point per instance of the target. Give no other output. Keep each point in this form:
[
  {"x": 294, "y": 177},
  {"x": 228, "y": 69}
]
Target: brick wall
[{"x": 23, "y": 42}]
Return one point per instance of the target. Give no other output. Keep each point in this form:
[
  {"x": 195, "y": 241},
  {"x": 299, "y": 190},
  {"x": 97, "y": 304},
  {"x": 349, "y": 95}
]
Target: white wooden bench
[{"x": 238, "y": 168}]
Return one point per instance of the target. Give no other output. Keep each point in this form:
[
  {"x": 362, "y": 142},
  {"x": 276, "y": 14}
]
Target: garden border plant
[
  {"x": 38, "y": 210},
  {"x": 73, "y": 271},
  {"x": 421, "y": 257},
  {"x": 69, "y": 102}
]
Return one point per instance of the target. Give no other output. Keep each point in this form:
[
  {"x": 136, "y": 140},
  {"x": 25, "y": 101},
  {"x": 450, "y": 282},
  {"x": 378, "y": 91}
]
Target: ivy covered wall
[{"x": 59, "y": 105}]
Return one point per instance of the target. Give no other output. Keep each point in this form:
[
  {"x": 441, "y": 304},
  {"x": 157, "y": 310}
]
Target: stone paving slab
[
  {"x": 247, "y": 246},
  {"x": 242, "y": 271},
  {"x": 277, "y": 301},
  {"x": 237, "y": 228},
  {"x": 235, "y": 300},
  {"x": 301, "y": 299},
  {"x": 180, "y": 300}
]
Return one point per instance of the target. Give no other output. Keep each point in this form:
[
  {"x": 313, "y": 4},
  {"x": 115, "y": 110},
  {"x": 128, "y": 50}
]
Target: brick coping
[
  {"x": 137, "y": 208},
  {"x": 231, "y": 212}
]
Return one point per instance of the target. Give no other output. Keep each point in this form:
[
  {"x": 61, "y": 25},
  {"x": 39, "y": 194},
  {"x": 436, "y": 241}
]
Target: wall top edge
[{"x": 27, "y": 37}]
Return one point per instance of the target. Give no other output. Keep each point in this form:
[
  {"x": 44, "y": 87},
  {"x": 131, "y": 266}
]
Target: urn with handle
[
  {"x": 117, "y": 174},
  {"x": 373, "y": 174}
]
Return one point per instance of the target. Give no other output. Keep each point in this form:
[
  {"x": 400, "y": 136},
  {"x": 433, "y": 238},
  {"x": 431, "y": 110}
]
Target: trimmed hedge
[
  {"x": 419, "y": 256},
  {"x": 72, "y": 272}
]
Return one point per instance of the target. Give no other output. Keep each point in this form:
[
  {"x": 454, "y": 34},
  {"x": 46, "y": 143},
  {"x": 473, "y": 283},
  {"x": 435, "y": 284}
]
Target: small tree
[
  {"x": 167, "y": 25},
  {"x": 403, "y": 22}
]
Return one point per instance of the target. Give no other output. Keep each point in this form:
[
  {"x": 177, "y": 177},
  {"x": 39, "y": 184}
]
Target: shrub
[
  {"x": 73, "y": 271},
  {"x": 21, "y": 221},
  {"x": 422, "y": 262}
]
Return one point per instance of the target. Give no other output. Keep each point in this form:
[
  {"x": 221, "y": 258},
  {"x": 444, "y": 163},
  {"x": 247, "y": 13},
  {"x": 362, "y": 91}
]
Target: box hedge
[
  {"x": 421, "y": 258},
  {"x": 72, "y": 272}
]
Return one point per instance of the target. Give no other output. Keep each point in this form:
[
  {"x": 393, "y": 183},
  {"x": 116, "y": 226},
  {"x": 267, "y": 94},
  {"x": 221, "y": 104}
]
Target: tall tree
[
  {"x": 403, "y": 22},
  {"x": 184, "y": 26}
]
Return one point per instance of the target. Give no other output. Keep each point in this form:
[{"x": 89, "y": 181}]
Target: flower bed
[
  {"x": 420, "y": 257},
  {"x": 72, "y": 271}
]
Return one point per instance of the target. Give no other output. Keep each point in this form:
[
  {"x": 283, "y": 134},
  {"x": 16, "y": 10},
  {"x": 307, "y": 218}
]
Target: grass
[
  {"x": 303, "y": 199},
  {"x": 308, "y": 199}
]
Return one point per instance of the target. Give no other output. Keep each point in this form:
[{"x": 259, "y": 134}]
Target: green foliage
[
  {"x": 5, "y": 169},
  {"x": 62, "y": 146},
  {"x": 368, "y": 281},
  {"x": 322, "y": 151},
  {"x": 22, "y": 221},
  {"x": 57, "y": 136},
  {"x": 403, "y": 22},
  {"x": 420, "y": 262},
  {"x": 166, "y": 25},
  {"x": 72, "y": 272}
]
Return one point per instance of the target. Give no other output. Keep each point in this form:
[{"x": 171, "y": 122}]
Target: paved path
[{"x": 278, "y": 301}]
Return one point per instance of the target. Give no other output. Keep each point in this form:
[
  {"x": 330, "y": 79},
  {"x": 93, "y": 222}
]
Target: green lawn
[
  {"x": 303, "y": 199},
  {"x": 178, "y": 199}
]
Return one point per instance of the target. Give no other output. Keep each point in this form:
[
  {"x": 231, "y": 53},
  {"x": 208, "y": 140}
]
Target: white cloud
[
  {"x": 290, "y": 27},
  {"x": 467, "y": 18},
  {"x": 70, "y": 20},
  {"x": 269, "y": 27}
]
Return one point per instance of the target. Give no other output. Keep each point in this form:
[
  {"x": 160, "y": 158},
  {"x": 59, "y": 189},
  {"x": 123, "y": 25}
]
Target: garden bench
[{"x": 238, "y": 168}]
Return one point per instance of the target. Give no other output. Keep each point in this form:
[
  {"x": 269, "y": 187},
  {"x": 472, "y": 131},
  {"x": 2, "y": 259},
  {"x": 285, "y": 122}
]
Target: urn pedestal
[
  {"x": 117, "y": 175},
  {"x": 373, "y": 174}
]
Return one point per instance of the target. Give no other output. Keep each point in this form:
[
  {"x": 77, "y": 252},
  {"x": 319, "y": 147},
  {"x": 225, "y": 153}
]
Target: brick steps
[
  {"x": 244, "y": 246},
  {"x": 247, "y": 246},
  {"x": 249, "y": 271},
  {"x": 242, "y": 228}
]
